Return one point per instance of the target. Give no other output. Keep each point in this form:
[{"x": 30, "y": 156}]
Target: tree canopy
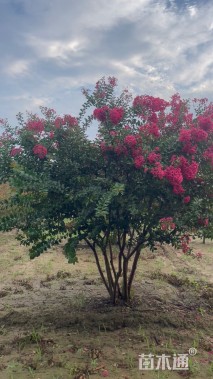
[{"x": 145, "y": 179}]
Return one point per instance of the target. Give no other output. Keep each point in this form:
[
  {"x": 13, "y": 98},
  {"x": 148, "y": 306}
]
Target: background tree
[{"x": 144, "y": 180}]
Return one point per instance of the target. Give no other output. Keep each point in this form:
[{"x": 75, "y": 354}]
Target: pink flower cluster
[
  {"x": 100, "y": 114},
  {"x": 158, "y": 171},
  {"x": 48, "y": 112},
  {"x": 139, "y": 161},
  {"x": 189, "y": 148},
  {"x": 154, "y": 104},
  {"x": 120, "y": 149},
  {"x": 51, "y": 134},
  {"x": 112, "y": 81},
  {"x": 40, "y": 151},
  {"x": 189, "y": 170},
  {"x": 175, "y": 178},
  {"x": 153, "y": 157},
  {"x": 115, "y": 115},
  {"x": 66, "y": 120},
  {"x": 179, "y": 113},
  {"x": 130, "y": 141},
  {"x": 179, "y": 170},
  {"x": 174, "y": 175},
  {"x": 198, "y": 135},
  {"x": 185, "y": 240},
  {"x": 70, "y": 120},
  {"x": 15, "y": 151},
  {"x": 166, "y": 223},
  {"x": 151, "y": 129},
  {"x": 205, "y": 123},
  {"x": 208, "y": 154},
  {"x": 203, "y": 221},
  {"x": 135, "y": 141},
  {"x": 59, "y": 121},
  {"x": 190, "y": 137},
  {"x": 186, "y": 199},
  {"x": 185, "y": 135},
  {"x": 136, "y": 152},
  {"x": 36, "y": 126}
]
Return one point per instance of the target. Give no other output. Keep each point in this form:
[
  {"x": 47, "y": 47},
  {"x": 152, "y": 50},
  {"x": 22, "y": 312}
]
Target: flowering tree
[{"x": 145, "y": 179}]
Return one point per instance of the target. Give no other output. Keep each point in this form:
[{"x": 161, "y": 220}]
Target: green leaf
[
  {"x": 102, "y": 208},
  {"x": 70, "y": 250}
]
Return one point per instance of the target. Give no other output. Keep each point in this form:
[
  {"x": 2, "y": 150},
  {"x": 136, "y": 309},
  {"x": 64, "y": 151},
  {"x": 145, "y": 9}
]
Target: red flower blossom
[
  {"x": 59, "y": 121},
  {"x": 158, "y": 171},
  {"x": 100, "y": 114},
  {"x": 51, "y": 134},
  {"x": 116, "y": 115},
  {"x": 206, "y": 222},
  {"x": 189, "y": 170},
  {"x": 130, "y": 140},
  {"x": 198, "y": 135},
  {"x": 188, "y": 118},
  {"x": 205, "y": 123},
  {"x": 153, "y": 157},
  {"x": 40, "y": 150},
  {"x": 153, "y": 130},
  {"x": 15, "y": 151},
  {"x": 203, "y": 221},
  {"x": 136, "y": 152},
  {"x": 186, "y": 199},
  {"x": 36, "y": 126},
  {"x": 48, "y": 112},
  {"x": 154, "y": 104},
  {"x": 103, "y": 146},
  {"x": 185, "y": 135},
  {"x": 208, "y": 154},
  {"x": 112, "y": 81},
  {"x": 113, "y": 133},
  {"x": 153, "y": 118},
  {"x": 166, "y": 223},
  {"x": 185, "y": 240},
  {"x": 70, "y": 121},
  {"x": 150, "y": 129},
  {"x": 139, "y": 161},
  {"x": 178, "y": 189},
  {"x": 174, "y": 175},
  {"x": 120, "y": 149},
  {"x": 188, "y": 148}
]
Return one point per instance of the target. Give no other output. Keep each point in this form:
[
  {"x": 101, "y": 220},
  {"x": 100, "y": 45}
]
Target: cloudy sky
[{"x": 50, "y": 49}]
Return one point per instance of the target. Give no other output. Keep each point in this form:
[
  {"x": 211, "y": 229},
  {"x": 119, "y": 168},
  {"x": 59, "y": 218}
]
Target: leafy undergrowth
[{"x": 56, "y": 321}]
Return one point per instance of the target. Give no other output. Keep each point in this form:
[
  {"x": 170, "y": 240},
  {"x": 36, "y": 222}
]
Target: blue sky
[{"x": 50, "y": 49}]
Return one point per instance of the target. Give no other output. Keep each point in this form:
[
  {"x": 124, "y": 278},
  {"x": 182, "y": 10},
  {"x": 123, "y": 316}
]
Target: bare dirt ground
[{"x": 56, "y": 321}]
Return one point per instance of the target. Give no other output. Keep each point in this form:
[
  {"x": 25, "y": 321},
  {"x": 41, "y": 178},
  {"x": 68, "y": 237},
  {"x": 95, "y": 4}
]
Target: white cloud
[
  {"x": 60, "y": 46},
  {"x": 54, "y": 48},
  {"x": 18, "y": 67},
  {"x": 211, "y": 26},
  {"x": 192, "y": 10}
]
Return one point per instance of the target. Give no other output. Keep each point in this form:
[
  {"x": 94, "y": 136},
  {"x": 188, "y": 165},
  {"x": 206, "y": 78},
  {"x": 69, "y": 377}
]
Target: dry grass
[{"x": 56, "y": 322}]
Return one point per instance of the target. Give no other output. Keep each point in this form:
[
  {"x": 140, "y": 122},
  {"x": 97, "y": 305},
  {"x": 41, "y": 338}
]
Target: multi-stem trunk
[{"x": 117, "y": 271}]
